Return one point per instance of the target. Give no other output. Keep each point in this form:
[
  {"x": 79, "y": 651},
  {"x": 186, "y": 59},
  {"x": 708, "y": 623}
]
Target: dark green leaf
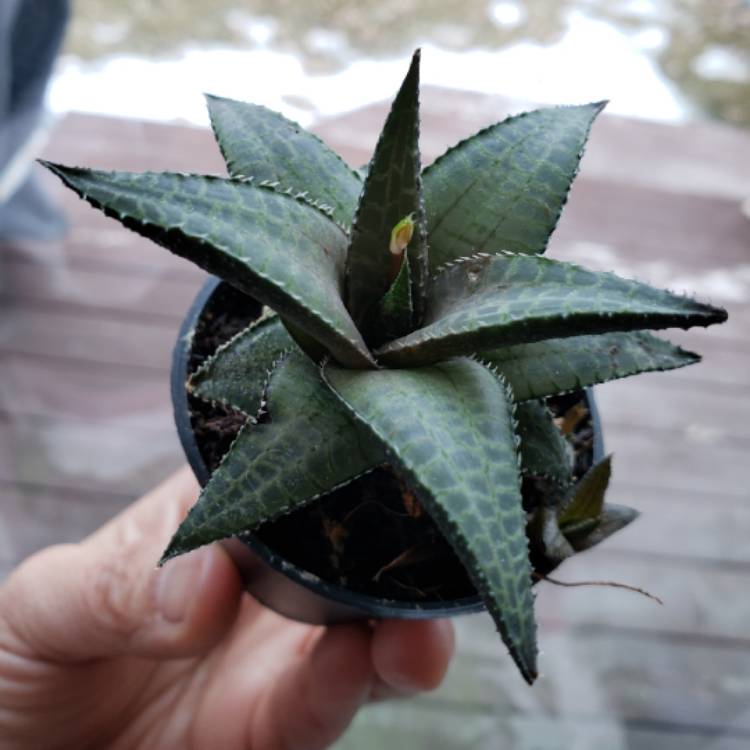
[
  {"x": 546, "y": 368},
  {"x": 586, "y": 519},
  {"x": 237, "y": 373},
  {"x": 310, "y": 446},
  {"x": 449, "y": 429},
  {"x": 544, "y": 451},
  {"x": 392, "y": 190},
  {"x": 588, "y": 496},
  {"x": 556, "y": 546},
  {"x": 309, "y": 345},
  {"x": 488, "y": 301},
  {"x": 393, "y": 315},
  {"x": 257, "y": 142},
  {"x": 504, "y": 188},
  {"x": 283, "y": 252},
  {"x": 612, "y": 519}
]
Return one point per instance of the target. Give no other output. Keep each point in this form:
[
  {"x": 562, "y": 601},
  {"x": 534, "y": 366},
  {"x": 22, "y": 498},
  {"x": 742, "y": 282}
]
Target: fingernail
[{"x": 176, "y": 583}]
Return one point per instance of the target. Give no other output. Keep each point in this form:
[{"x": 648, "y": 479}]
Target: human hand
[{"x": 100, "y": 649}]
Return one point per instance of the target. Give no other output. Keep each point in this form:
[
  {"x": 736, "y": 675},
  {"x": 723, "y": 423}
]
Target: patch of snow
[
  {"x": 255, "y": 29},
  {"x": 506, "y": 13},
  {"x": 592, "y": 61},
  {"x": 722, "y": 64}
]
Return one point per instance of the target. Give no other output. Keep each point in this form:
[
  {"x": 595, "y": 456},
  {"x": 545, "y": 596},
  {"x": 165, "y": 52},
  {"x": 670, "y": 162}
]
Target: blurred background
[
  {"x": 663, "y": 59},
  {"x": 89, "y": 312}
]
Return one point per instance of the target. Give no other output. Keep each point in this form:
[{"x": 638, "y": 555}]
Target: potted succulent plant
[{"x": 412, "y": 388}]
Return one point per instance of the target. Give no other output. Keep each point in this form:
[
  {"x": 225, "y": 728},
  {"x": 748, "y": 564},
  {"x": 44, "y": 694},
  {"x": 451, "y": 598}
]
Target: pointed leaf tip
[
  {"x": 449, "y": 430},
  {"x": 483, "y": 301},
  {"x": 546, "y": 368},
  {"x": 392, "y": 191},
  {"x": 244, "y": 233},
  {"x": 505, "y": 186},
  {"x": 321, "y": 449},
  {"x": 260, "y": 143},
  {"x": 587, "y": 500}
]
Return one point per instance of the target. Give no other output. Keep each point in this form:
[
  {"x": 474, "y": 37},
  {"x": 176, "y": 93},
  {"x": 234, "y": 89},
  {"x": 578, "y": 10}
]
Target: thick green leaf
[
  {"x": 544, "y": 451},
  {"x": 237, "y": 373},
  {"x": 579, "y": 522},
  {"x": 393, "y": 315},
  {"x": 309, "y": 446},
  {"x": 505, "y": 186},
  {"x": 310, "y": 346},
  {"x": 488, "y": 301},
  {"x": 257, "y": 142},
  {"x": 282, "y": 251},
  {"x": 588, "y": 496},
  {"x": 546, "y": 368},
  {"x": 554, "y": 543},
  {"x": 392, "y": 190},
  {"x": 612, "y": 519},
  {"x": 449, "y": 429}
]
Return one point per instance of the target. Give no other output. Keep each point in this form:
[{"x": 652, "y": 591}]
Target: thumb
[{"x": 104, "y": 597}]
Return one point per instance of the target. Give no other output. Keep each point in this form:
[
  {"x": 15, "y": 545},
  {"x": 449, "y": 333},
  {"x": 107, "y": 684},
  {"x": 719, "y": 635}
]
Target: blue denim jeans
[{"x": 30, "y": 35}]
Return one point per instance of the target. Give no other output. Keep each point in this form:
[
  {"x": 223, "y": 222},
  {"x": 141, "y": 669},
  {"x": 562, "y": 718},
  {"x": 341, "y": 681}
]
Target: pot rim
[{"x": 344, "y": 603}]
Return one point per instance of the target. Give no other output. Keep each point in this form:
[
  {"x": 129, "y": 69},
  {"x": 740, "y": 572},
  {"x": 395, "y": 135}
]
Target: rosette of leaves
[{"x": 413, "y": 320}]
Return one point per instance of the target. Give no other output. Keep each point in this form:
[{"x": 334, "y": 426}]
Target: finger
[
  {"x": 410, "y": 656},
  {"x": 105, "y": 597},
  {"x": 315, "y": 698}
]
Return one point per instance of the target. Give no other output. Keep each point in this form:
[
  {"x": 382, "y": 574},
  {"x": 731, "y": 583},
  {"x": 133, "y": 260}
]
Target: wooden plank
[
  {"x": 125, "y": 455},
  {"x": 112, "y": 143},
  {"x": 590, "y": 672},
  {"x": 96, "y": 241},
  {"x": 100, "y": 293},
  {"x": 434, "y": 724},
  {"x": 711, "y": 528},
  {"x": 700, "y": 601},
  {"x": 31, "y": 386},
  {"x": 80, "y": 337},
  {"x": 673, "y": 236},
  {"x": 677, "y": 463},
  {"x": 697, "y": 158},
  {"x": 119, "y": 143},
  {"x": 630, "y": 224},
  {"x": 728, "y": 372},
  {"x": 657, "y": 402}
]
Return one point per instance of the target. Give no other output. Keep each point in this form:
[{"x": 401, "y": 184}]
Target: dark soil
[{"x": 372, "y": 535}]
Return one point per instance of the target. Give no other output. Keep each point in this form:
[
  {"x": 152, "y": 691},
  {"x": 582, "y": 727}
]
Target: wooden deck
[{"x": 86, "y": 330}]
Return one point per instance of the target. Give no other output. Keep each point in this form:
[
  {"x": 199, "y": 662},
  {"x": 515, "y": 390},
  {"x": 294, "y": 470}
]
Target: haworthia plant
[{"x": 416, "y": 324}]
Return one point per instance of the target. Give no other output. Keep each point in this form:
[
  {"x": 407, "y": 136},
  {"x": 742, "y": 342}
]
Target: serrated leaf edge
[
  {"x": 598, "y": 106},
  {"x": 388, "y": 348},
  {"x": 60, "y": 170},
  {"x": 294, "y": 123},
  {"x": 393, "y": 455},
  {"x": 696, "y": 358}
]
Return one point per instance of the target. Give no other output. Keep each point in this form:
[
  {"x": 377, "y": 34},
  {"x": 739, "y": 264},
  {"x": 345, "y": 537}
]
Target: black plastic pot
[{"x": 278, "y": 584}]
